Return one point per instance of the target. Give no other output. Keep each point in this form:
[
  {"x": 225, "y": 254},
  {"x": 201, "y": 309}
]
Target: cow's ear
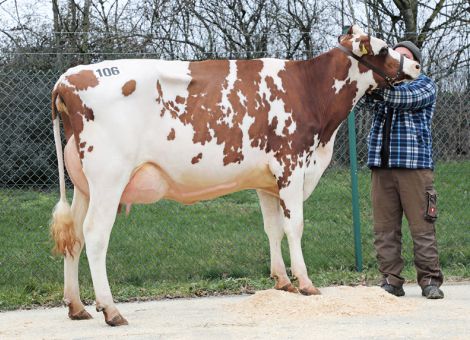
[{"x": 345, "y": 34}]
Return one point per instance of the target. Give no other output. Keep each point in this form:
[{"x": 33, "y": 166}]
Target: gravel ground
[{"x": 341, "y": 312}]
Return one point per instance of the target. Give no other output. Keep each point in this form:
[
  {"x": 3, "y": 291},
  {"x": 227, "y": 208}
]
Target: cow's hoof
[
  {"x": 310, "y": 291},
  {"x": 117, "y": 320},
  {"x": 289, "y": 287},
  {"x": 82, "y": 315}
]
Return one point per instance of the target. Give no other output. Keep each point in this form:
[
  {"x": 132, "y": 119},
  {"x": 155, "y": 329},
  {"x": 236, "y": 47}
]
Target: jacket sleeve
[{"x": 415, "y": 95}]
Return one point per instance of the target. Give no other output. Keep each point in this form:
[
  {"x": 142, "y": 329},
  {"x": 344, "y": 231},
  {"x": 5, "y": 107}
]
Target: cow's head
[{"x": 373, "y": 53}]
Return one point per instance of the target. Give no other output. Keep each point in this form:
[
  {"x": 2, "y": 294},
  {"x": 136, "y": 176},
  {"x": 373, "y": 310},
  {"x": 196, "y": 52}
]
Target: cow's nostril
[{"x": 418, "y": 67}]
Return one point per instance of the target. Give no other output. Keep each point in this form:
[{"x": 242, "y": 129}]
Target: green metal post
[{"x": 355, "y": 191}]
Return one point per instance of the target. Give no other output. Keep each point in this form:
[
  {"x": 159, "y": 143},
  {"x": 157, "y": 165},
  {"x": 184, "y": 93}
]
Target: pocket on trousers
[{"x": 431, "y": 205}]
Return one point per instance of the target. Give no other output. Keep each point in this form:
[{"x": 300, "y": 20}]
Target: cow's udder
[{"x": 146, "y": 184}]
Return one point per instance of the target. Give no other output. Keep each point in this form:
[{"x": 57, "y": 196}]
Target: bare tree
[
  {"x": 441, "y": 29},
  {"x": 83, "y": 31},
  {"x": 301, "y": 24}
]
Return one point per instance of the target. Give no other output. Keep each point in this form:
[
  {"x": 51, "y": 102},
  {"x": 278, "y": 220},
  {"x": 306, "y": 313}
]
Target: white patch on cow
[
  {"x": 174, "y": 82},
  {"x": 338, "y": 85},
  {"x": 271, "y": 68},
  {"x": 356, "y": 48},
  {"x": 292, "y": 127},
  {"x": 276, "y": 167},
  {"x": 363, "y": 80},
  {"x": 277, "y": 110},
  {"x": 356, "y": 30},
  {"x": 320, "y": 160},
  {"x": 242, "y": 98},
  {"x": 377, "y": 45},
  {"x": 225, "y": 105}
]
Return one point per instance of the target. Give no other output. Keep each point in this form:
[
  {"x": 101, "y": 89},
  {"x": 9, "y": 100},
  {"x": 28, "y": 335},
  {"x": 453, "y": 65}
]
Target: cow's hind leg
[
  {"x": 291, "y": 200},
  {"x": 105, "y": 193},
  {"x": 71, "y": 288},
  {"x": 273, "y": 227}
]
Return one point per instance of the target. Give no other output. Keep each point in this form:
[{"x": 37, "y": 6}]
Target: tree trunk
[{"x": 57, "y": 35}]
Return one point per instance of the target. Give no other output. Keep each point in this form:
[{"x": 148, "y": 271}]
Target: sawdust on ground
[{"x": 334, "y": 301}]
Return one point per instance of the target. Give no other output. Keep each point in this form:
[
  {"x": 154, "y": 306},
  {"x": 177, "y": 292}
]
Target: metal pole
[{"x": 355, "y": 191}]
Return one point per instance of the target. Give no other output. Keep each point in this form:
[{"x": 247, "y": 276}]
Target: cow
[{"x": 139, "y": 131}]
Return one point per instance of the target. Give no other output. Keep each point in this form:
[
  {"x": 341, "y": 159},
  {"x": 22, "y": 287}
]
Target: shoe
[
  {"x": 432, "y": 292},
  {"x": 394, "y": 290}
]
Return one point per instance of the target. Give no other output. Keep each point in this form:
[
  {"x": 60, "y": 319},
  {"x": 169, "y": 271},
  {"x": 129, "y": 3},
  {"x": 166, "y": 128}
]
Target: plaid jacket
[{"x": 412, "y": 105}]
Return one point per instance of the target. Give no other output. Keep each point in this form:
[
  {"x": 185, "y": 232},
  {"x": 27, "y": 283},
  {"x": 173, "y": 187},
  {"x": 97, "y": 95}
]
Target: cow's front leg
[
  {"x": 291, "y": 201},
  {"x": 274, "y": 229},
  {"x": 71, "y": 288}
]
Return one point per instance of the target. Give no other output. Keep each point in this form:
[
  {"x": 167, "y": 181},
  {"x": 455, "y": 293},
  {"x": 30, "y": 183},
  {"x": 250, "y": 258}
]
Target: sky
[{"x": 35, "y": 8}]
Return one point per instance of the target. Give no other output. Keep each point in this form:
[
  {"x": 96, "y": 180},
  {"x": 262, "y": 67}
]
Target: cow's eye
[{"x": 383, "y": 51}]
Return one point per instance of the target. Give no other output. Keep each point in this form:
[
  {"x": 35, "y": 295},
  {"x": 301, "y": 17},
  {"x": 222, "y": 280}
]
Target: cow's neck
[{"x": 334, "y": 85}]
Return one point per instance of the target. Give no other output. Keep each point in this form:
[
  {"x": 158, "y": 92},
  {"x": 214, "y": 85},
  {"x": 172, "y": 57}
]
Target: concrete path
[{"x": 341, "y": 312}]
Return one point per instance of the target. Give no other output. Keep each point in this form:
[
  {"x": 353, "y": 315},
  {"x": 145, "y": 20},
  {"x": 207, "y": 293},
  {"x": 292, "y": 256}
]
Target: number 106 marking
[{"x": 106, "y": 72}]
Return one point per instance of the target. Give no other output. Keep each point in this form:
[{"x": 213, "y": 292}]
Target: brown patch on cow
[
  {"x": 171, "y": 135},
  {"x": 82, "y": 80},
  {"x": 81, "y": 150},
  {"x": 167, "y": 105},
  {"x": 284, "y": 208},
  {"x": 180, "y": 100},
  {"x": 197, "y": 158},
  {"x": 75, "y": 114},
  {"x": 256, "y": 105},
  {"x": 204, "y": 110},
  {"x": 70, "y": 106},
  {"x": 128, "y": 88},
  {"x": 205, "y": 93}
]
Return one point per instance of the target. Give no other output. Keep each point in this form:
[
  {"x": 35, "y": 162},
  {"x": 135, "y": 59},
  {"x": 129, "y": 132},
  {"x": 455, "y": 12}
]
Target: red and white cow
[{"x": 143, "y": 130}]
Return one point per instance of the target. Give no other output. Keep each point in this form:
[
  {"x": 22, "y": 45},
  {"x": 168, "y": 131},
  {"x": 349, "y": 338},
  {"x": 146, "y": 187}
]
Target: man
[{"x": 400, "y": 158}]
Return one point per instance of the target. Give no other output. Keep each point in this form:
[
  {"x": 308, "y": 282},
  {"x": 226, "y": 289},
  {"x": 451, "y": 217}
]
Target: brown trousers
[{"x": 395, "y": 191}]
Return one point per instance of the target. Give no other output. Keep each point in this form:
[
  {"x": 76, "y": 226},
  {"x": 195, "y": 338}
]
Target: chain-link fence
[{"x": 217, "y": 239}]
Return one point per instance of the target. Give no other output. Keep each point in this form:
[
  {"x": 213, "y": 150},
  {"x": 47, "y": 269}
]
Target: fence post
[{"x": 355, "y": 191}]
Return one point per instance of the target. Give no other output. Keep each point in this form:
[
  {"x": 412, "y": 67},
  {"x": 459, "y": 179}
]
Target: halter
[{"x": 390, "y": 81}]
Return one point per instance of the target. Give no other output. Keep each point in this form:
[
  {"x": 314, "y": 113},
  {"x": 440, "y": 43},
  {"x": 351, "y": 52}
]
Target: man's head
[{"x": 409, "y": 50}]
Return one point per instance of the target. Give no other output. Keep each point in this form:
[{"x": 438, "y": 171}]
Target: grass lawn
[{"x": 217, "y": 247}]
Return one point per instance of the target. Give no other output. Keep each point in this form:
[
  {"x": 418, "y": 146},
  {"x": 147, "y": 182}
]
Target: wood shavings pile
[{"x": 334, "y": 301}]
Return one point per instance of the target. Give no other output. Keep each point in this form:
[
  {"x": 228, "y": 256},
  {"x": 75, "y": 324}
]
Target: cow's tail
[{"x": 62, "y": 227}]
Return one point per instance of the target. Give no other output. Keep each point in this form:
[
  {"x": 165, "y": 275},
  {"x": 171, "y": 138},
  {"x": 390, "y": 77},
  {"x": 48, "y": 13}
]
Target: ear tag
[{"x": 364, "y": 50}]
